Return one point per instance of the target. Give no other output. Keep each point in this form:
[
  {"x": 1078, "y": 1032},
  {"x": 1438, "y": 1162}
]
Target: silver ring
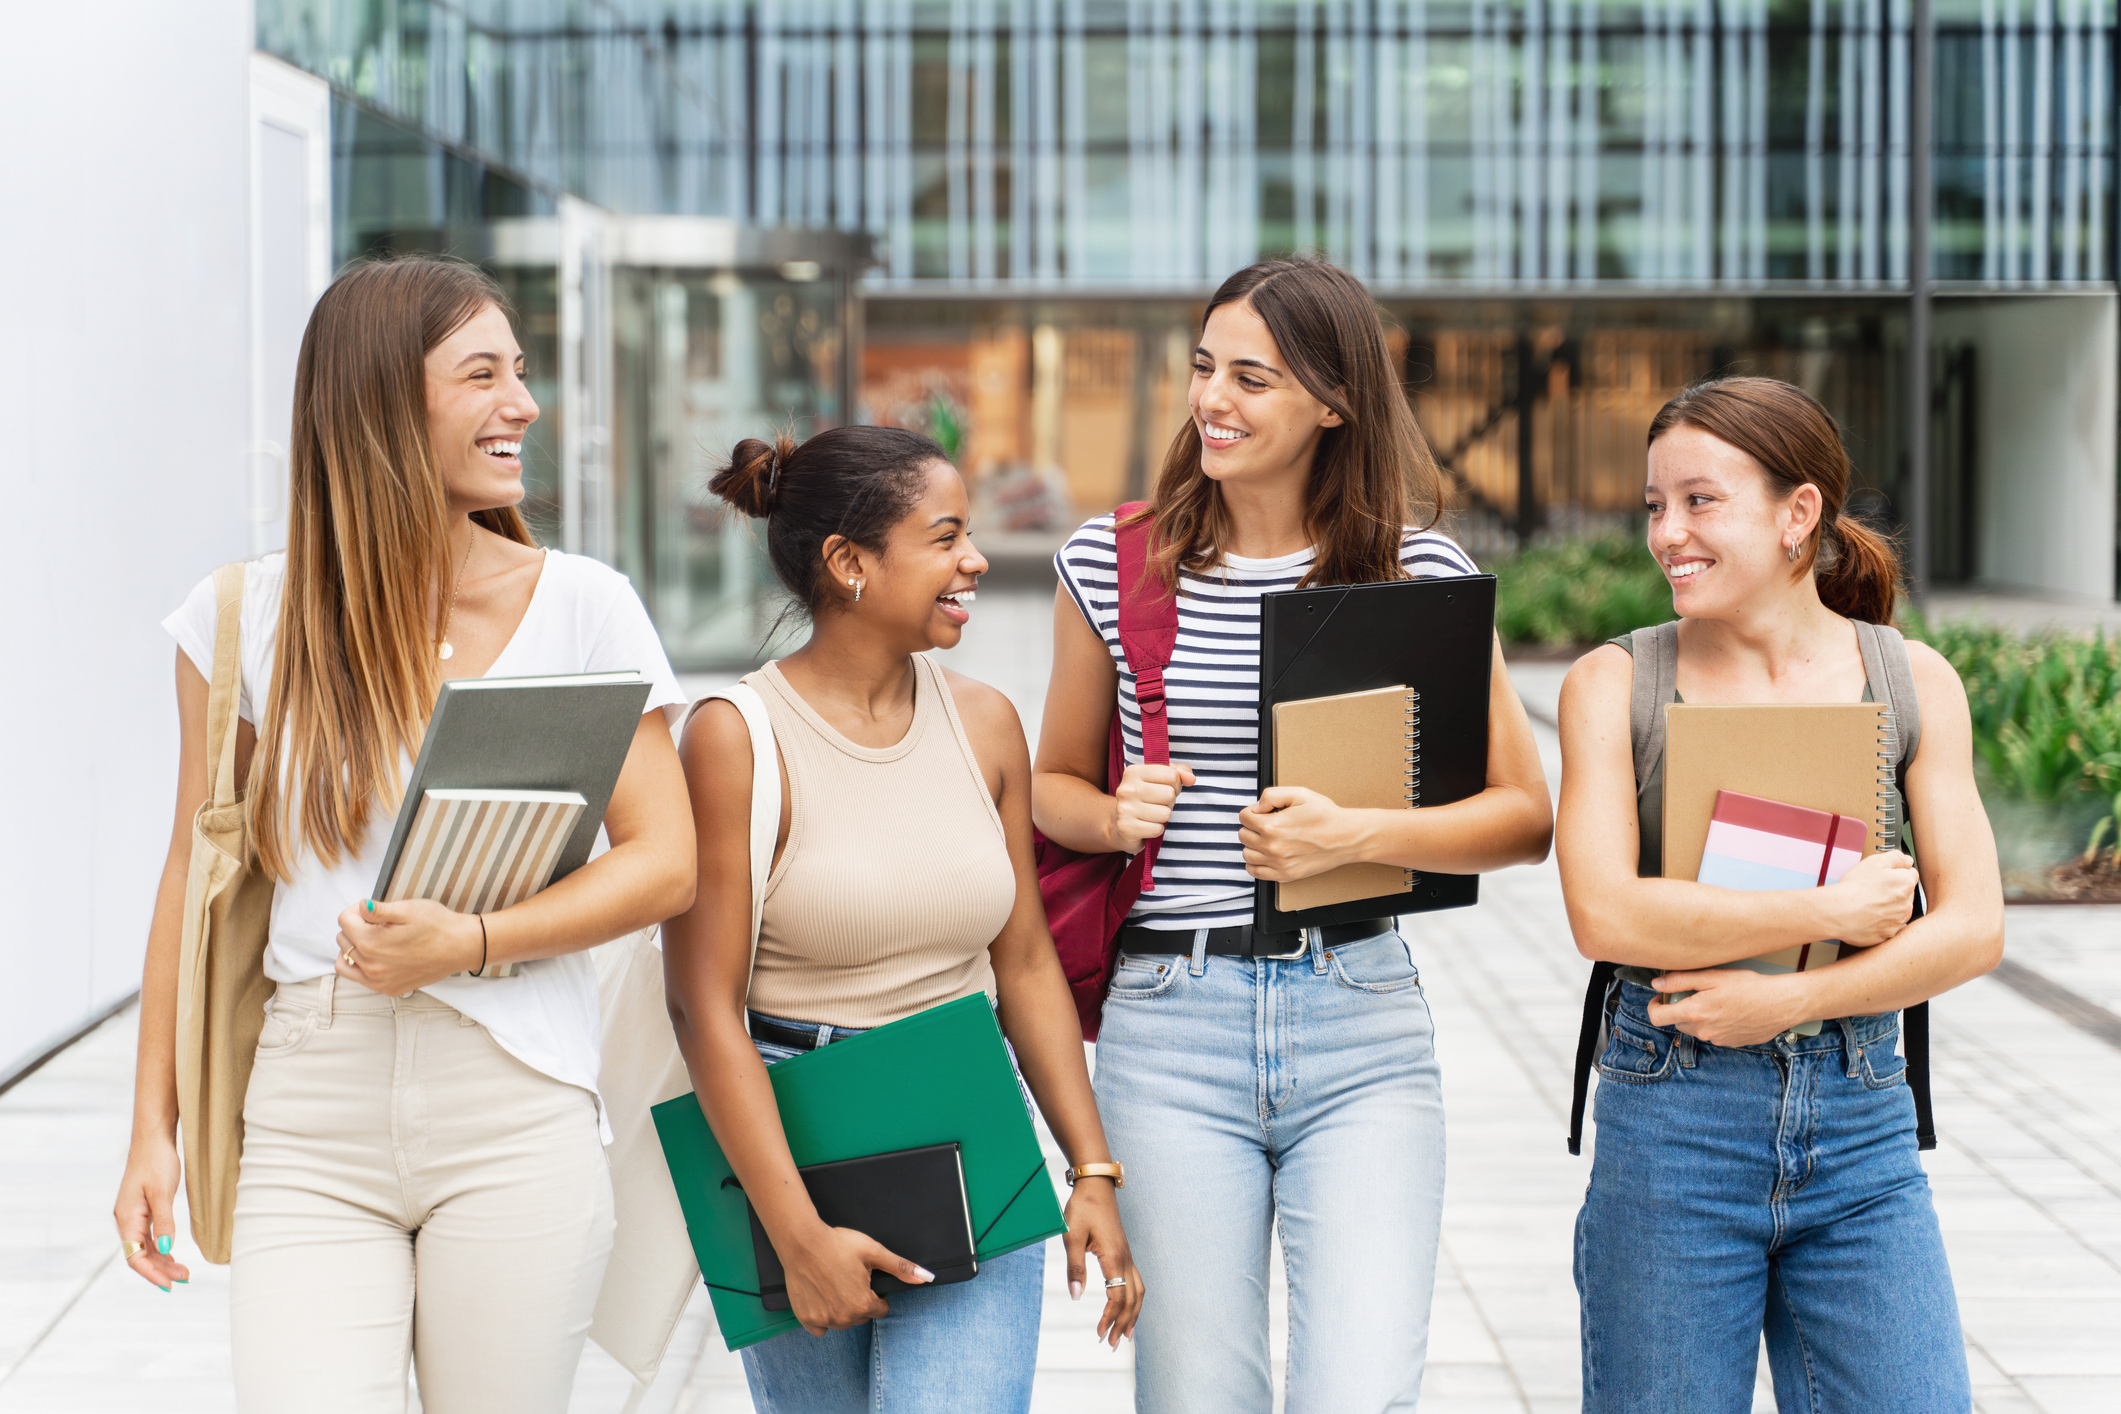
[{"x": 1111, "y": 1282}]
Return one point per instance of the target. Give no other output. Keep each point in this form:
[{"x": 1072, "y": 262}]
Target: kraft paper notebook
[
  {"x": 509, "y": 788},
  {"x": 1425, "y": 645},
  {"x": 1353, "y": 749},
  {"x": 1753, "y": 793},
  {"x": 941, "y": 1076}
]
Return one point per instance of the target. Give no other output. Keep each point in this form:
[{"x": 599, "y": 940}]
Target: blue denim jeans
[
  {"x": 1243, "y": 1094},
  {"x": 1771, "y": 1188},
  {"x": 966, "y": 1348}
]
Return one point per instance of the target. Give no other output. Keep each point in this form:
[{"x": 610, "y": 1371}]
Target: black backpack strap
[
  {"x": 1655, "y": 680},
  {"x": 1893, "y": 682},
  {"x": 1587, "y": 1039}
]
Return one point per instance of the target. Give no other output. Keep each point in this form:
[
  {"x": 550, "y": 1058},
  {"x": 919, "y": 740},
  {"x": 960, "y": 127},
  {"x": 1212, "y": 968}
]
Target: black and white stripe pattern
[{"x": 1212, "y": 689}]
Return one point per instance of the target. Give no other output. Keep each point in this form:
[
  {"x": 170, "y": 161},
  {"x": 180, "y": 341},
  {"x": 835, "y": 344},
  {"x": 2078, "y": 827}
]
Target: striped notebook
[
  {"x": 1766, "y": 845},
  {"x": 479, "y": 851}
]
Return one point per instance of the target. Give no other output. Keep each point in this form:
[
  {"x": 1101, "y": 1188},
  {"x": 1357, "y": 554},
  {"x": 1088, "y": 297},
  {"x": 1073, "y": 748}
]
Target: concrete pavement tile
[
  {"x": 1070, "y": 1392},
  {"x": 2081, "y": 1394},
  {"x": 2042, "y": 1337}
]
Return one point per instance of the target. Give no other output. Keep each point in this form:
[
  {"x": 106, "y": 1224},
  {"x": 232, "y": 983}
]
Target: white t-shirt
[{"x": 583, "y": 618}]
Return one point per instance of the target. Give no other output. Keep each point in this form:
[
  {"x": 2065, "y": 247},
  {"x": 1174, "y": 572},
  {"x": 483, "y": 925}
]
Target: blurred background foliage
[{"x": 1578, "y": 591}]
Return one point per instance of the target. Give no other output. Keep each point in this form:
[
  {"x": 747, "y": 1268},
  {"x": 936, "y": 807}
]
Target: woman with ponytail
[{"x": 1750, "y": 1179}]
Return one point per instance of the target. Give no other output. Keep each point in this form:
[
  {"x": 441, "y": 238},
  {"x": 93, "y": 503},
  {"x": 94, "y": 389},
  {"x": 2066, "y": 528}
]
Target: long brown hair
[
  {"x": 1797, "y": 443},
  {"x": 368, "y": 546},
  {"x": 1370, "y": 474}
]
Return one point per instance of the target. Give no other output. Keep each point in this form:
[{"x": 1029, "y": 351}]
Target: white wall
[
  {"x": 124, "y": 455},
  {"x": 2045, "y": 420}
]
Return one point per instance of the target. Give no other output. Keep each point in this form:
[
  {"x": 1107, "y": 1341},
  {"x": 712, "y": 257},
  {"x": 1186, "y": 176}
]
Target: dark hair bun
[{"x": 751, "y": 480}]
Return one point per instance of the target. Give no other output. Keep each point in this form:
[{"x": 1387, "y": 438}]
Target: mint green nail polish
[
  {"x": 162, "y": 1245},
  {"x": 371, "y": 904},
  {"x": 183, "y": 1281}
]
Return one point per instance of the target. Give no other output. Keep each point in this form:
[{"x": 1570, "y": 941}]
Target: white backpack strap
[{"x": 765, "y": 792}]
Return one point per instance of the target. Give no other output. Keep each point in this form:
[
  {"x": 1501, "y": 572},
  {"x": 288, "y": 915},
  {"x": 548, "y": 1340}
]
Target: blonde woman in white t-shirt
[{"x": 423, "y": 1172}]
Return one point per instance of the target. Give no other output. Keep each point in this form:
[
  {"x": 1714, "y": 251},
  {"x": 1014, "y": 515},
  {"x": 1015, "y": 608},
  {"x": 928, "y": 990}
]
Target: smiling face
[
  {"x": 919, "y": 592},
  {"x": 1257, "y": 422},
  {"x": 1719, "y": 533},
  {"x": 477, "y": 413}
]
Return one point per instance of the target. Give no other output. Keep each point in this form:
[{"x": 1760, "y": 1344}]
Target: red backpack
[{"x": 1088, "y": 896}]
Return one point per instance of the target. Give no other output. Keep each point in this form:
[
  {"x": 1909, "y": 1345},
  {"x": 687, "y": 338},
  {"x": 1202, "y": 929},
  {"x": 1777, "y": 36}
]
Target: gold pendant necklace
[{"x": 446, "y": 651}]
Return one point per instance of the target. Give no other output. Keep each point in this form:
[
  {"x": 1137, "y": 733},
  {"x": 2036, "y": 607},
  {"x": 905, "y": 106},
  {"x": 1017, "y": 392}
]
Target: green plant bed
[
  {"x": 2046, "y": 712},
  {"x": 1578, "y": 592}
]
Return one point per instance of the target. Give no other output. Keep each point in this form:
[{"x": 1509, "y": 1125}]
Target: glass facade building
[{"x": 1567, "y": 208}]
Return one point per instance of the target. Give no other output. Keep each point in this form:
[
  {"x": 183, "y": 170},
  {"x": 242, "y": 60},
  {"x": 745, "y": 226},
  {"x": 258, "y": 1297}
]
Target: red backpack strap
[{"x": 1148, "y": 634}]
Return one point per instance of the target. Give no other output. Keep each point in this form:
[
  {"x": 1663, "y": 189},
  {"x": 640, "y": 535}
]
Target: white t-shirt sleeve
[
  {"x": 626, "y": 640},
  {"x": 193, "y": 625}
]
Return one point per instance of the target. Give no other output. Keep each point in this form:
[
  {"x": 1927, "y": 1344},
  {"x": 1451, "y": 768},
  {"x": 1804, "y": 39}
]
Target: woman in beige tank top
[{"x": 902, "y": 879}]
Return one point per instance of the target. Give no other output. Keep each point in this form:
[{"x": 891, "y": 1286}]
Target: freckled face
[{"x": 1715, "y": 527}]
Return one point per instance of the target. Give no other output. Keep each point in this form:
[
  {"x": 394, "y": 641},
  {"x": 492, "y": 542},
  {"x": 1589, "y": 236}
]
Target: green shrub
[
  {"x": 1580, "y": 591},
  {"x": 2046, "y": 714}
]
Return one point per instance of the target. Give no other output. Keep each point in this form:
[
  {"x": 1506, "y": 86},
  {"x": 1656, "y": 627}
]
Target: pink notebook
[{"x": 1765, "y": 844}]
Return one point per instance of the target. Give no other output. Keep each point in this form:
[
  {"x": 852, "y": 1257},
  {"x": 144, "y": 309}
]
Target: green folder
[{"x": 937, "y": 1076}]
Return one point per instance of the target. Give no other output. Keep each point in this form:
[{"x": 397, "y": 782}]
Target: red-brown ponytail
[{"x": 1796, "y": 442}]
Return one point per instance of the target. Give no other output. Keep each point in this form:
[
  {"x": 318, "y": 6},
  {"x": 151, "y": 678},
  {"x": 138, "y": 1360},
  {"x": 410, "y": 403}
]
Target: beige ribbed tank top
[{"x": 895, "y": 877}]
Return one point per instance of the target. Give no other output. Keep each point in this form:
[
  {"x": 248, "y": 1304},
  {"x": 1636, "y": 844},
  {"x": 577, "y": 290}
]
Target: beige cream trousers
[{"x": 410, "y": 1190}]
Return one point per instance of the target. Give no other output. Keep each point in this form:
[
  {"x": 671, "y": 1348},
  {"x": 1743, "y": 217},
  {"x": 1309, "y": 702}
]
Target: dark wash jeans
[{"x": 1772, "y": 1188}]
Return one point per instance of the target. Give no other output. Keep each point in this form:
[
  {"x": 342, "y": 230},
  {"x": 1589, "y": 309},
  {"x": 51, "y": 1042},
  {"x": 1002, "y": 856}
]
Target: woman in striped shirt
[{"x": 1248, "y": 1080}]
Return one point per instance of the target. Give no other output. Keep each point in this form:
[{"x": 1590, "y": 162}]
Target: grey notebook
[{"x": 546, "y": 751}]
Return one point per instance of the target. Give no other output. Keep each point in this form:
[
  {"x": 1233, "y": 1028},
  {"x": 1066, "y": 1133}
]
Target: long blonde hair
[{"x": 355, "y": 671}]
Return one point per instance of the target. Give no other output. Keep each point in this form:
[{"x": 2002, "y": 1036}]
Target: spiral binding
[
  {"x": 1888, "y": 780},
  {"x": 1413, "y": 766}
]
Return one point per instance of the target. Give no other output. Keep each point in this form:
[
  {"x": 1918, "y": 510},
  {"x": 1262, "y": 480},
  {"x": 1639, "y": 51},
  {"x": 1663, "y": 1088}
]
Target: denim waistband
[
  {"x": 817, "y": 1034},
  {"x": 1837, "y": 1034}
]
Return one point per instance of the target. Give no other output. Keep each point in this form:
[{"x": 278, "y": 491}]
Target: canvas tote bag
[
  {"x": 653, "y": 1272},
  {"x": 221, "y": 982}
]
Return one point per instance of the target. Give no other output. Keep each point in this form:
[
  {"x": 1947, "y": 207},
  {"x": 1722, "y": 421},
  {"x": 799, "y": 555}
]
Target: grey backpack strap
[
  {"x": 1892, "y": 683},
  {"x": 1656, "y": 654}
]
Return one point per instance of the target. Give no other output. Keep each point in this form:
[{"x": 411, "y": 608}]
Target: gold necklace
[{"x": 447, "y": 652}]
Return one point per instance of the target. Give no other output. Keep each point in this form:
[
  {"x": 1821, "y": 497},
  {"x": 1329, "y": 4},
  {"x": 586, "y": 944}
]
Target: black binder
[
  {"x": 912, "y": 1201},
  {"x": 1434, "y": 636}
]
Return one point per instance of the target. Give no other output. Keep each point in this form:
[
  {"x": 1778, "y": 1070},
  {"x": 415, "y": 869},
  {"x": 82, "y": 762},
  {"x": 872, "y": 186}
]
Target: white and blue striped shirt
[{"x": 1212, "y": 698}]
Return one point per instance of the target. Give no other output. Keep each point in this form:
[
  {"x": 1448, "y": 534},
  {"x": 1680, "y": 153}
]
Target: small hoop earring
[{"x": 1792, "y": 548}]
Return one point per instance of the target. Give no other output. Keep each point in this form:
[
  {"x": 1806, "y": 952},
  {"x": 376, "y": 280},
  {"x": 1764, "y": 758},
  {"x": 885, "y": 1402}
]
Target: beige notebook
[
  {"x": 480, "y": 851},
  {"x": 1831, "y": 756},
  {"x": 1352, "y": 749}
]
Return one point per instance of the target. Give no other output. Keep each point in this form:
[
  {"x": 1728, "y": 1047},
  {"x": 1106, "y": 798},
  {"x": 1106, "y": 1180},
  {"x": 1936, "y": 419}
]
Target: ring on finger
[
  {"x": 347, "y": 957},
  {"x": 134, "y": 1249},
  {"x": 1111, "y": 1282}
]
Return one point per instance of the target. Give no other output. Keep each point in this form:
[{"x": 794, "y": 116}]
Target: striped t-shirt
[{"x": 1212, "y": 699}]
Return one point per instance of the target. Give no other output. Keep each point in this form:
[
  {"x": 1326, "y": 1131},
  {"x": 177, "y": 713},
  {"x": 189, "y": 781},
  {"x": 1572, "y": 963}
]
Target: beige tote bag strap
[
  {"x": 225, "y": 693},
  {"x": 765, "y": 794}
]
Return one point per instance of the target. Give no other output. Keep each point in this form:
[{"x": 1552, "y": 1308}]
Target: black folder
[
  {"x": 911, "y": 1200},
  {"x": 1433, "y": 636}
]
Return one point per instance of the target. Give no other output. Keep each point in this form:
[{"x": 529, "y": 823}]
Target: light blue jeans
[
  {"x": 966, "y": 1348},
  {"x": 1769, "y": 1188},
  {"x": 1243, "y": 1094}
]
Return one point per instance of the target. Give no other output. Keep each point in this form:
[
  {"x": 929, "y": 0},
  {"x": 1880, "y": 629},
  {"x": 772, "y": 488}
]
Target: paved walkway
[{"x": 2028, "y": 1180}]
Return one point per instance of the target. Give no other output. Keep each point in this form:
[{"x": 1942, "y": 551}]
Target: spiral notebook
[
  {"x": 1356, "y": 749},
  {"x": 1731, "y": 772}
]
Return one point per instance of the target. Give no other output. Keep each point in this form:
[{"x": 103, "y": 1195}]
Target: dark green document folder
[{"x": 937, "y": 1077}]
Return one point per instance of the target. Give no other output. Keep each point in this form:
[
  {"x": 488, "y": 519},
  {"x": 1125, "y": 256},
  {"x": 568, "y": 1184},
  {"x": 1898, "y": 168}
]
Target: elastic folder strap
[
  {"x": 1011, "y": 1203},
  {"x": 1587, "y": 1047}
]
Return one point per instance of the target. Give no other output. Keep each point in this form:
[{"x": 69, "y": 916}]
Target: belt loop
[
  {"x": 1851, "y": 1048},
  {"x": 325, "y": 999},
  {"x": 824, "y": 1036},
  {"x": 1316, "y": 937},
  {"x": 1200, "y": 952}
]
